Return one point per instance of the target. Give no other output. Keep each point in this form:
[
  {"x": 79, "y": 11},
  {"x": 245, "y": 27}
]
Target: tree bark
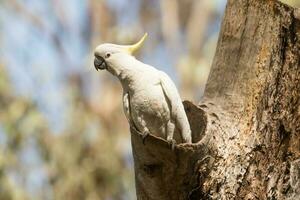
[{"x": 246, "y": 130}]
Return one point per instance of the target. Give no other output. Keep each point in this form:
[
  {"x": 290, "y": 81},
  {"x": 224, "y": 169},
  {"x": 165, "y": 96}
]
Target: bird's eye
[{"x": 107, "y": 55}]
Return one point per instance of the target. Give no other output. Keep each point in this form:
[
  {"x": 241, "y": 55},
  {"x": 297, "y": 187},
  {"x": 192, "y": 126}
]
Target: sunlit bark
[{"x": 246, "y": 129}]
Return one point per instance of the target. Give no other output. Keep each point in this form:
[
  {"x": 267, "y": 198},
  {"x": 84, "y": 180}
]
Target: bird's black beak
[{"x": 99, "y": 63}]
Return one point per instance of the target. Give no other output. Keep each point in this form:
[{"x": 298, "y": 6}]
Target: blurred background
[{"x": 63, "y": 134}]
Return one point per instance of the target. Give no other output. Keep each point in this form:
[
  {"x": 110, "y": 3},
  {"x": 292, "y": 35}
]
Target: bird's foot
[
  {"x": 144, "y": 135},
  {"x": 172, "y": 143},
  {"x": 187, "y": 137},
  {"x": 187, "y": 140}
]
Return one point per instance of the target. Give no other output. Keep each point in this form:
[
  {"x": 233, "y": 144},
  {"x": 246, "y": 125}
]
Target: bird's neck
[
  {"x": 128, "y": 70},
  {"x": 130, "y": 77}
]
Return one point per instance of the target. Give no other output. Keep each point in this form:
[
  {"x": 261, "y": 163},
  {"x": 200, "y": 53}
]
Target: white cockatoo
[{"x": 150, "y": 99}]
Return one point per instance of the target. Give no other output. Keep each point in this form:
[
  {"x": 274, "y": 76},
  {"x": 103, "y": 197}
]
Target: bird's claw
[
  {"x": 144, "y": 135},
  {"x": 187, "y": 140},
  {"x": 172, "y": 143}
]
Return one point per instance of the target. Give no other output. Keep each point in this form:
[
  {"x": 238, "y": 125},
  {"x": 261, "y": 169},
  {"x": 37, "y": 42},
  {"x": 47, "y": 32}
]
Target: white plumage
[{"x": 150, "y": 99}]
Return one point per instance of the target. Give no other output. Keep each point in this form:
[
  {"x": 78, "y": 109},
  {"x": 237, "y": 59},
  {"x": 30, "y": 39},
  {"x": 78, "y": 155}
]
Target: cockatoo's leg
[
  {"x": 145, "y": 133},
  {"x": 170, "y": 134},
  {"x": 186, "y": 136}
]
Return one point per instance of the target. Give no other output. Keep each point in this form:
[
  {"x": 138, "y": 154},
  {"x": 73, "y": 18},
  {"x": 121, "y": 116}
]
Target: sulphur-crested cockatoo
[{"x": 150, "y": 99}]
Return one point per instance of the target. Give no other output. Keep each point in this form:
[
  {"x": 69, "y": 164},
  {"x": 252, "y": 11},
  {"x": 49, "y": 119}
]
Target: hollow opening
[{"x": 197, "y": 120}]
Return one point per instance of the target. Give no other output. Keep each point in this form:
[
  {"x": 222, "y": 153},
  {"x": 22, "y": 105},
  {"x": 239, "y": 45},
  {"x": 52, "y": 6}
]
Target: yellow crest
[{"x": 133, "y": 48}]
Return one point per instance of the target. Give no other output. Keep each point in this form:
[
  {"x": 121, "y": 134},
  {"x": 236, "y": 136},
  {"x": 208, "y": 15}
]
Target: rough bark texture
[{"x": 246, "y": 130}]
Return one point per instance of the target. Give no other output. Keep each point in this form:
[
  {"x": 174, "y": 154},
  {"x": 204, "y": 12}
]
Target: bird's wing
[
  {"x": 127, "y": 110},
  {"x": 176, "y": 107},
  {"x": 126, "y": 107},
  {"x": 170, "y": 92}
]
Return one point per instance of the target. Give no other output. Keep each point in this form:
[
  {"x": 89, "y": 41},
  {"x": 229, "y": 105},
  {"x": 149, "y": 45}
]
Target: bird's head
[{"x": 107, "y": 54}]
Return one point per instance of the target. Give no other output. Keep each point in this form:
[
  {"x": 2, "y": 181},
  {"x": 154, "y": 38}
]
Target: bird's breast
[
  {"x": 150, "y": 101},
  {"x": 149, "y": 108}
]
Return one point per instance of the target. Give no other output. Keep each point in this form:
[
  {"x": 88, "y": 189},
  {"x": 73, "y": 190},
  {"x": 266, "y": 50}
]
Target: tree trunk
[{"x": 246, "y": 130}]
